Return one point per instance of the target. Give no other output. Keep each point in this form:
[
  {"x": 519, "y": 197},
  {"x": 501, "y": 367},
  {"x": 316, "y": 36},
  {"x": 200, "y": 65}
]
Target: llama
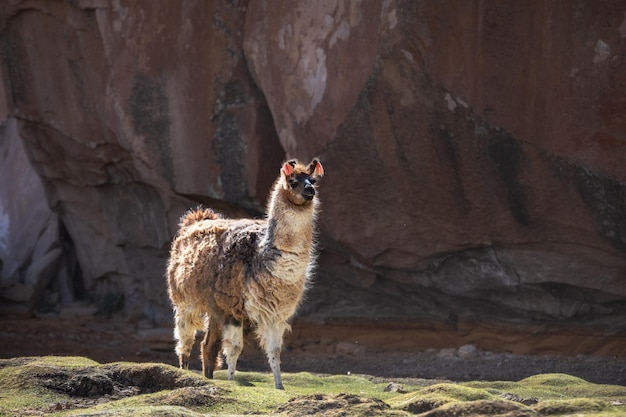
[{"x": 227, "y": 274}]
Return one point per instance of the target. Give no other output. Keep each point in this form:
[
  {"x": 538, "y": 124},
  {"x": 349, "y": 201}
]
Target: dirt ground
[{"x": 402, "y": 350}]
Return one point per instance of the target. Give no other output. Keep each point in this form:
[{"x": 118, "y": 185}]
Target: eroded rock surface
[{"x": 474, "y": 150}]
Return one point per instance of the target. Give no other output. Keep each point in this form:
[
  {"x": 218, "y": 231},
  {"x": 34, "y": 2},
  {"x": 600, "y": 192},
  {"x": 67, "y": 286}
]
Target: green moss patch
[
  {"x": 335, "y": 406},
  {"x": 539, "y": 395},
  {"x": 479, "y": 408},
  {"x": 59, "y": 386},
  {"x": 578, "y": 406},
  {"x": 553, "y": 386}
]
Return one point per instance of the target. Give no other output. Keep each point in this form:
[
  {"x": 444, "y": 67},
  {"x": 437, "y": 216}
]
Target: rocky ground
[{"x": 400, "y": 351}]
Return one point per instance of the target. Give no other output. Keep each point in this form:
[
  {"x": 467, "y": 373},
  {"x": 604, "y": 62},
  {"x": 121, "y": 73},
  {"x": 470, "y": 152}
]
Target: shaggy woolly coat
[
  {"x": 269, "y": 261},
  {"x": 244, "y": 271}
]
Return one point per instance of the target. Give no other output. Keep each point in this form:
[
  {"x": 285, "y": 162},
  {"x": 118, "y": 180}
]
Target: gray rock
[{"x": 467, "y": 351}]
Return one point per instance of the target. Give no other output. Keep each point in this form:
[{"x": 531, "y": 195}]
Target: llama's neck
[{"x": 290, "y": 226}]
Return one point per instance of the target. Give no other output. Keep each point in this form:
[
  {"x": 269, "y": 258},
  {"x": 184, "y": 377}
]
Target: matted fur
[{"x": 226, "y": 273}]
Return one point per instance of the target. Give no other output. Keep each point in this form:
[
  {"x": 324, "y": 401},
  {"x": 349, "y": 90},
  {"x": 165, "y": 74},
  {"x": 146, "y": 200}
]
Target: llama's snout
[{"x": 308, "y": 192}]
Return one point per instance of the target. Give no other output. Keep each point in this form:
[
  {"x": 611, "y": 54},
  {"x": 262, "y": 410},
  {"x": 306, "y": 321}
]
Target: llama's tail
[{"x": 196, "y": 215}]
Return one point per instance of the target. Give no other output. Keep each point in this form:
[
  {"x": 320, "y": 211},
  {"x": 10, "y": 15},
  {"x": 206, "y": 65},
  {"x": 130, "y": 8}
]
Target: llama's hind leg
[
  {"x": 233, "y": 345},
  {"x": 184, "y": 333},
  {"x": 272, "y": 341},
  {"x": 211, "y": 346}
]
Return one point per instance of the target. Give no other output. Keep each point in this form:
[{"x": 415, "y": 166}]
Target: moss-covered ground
[{"x": 75, "y": 386}]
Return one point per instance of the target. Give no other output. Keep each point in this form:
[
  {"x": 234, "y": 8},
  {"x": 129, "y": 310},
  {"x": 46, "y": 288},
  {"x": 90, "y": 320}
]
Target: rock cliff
[{"x": 475, "y": 150}]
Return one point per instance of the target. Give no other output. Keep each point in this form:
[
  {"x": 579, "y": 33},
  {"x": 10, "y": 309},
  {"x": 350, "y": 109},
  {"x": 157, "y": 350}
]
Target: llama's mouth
[{"x": 308, "y": 192}]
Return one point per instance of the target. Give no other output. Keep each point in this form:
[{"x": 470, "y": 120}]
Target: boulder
[{"x": 29, "y": 230}]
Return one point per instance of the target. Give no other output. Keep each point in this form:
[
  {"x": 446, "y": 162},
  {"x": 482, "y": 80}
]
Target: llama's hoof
[{"x": 183, "y": 361}]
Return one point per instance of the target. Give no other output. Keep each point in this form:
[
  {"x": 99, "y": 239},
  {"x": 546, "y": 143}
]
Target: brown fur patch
[{"x": 197, "y": 215}]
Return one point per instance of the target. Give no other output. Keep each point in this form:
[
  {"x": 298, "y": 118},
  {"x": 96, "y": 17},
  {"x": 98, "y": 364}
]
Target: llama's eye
[
  {"x": 293, "y": 183},
  {"x": 312, "y": 180}
]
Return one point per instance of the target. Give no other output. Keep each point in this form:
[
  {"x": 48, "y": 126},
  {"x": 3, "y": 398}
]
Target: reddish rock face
[
  {"x": 312, "y": 62},
  {"x": 474, "y": 150},
  {"x": 131, "y": 114}
]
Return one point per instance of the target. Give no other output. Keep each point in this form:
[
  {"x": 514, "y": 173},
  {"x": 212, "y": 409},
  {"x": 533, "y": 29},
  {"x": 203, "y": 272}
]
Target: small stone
[
  {"x": 512, "y": 397},
  {"x": 395, "y": 387},
  {"x": 467, "y": 351},
  {"x": 447, "y": 353}
]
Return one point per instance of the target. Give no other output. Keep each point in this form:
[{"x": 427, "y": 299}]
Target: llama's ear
[
  {"x": 316, "y": 168},
  {"x": 287, "y": 168}
]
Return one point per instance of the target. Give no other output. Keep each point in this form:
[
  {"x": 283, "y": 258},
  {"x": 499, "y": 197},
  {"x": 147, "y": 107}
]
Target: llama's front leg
[
  {"x": 272, "y": 342},
  {"x": 233, "y": 345}
]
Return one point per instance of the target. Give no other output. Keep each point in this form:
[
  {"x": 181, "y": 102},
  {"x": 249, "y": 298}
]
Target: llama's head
[{"x": 300, "y": 181}]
